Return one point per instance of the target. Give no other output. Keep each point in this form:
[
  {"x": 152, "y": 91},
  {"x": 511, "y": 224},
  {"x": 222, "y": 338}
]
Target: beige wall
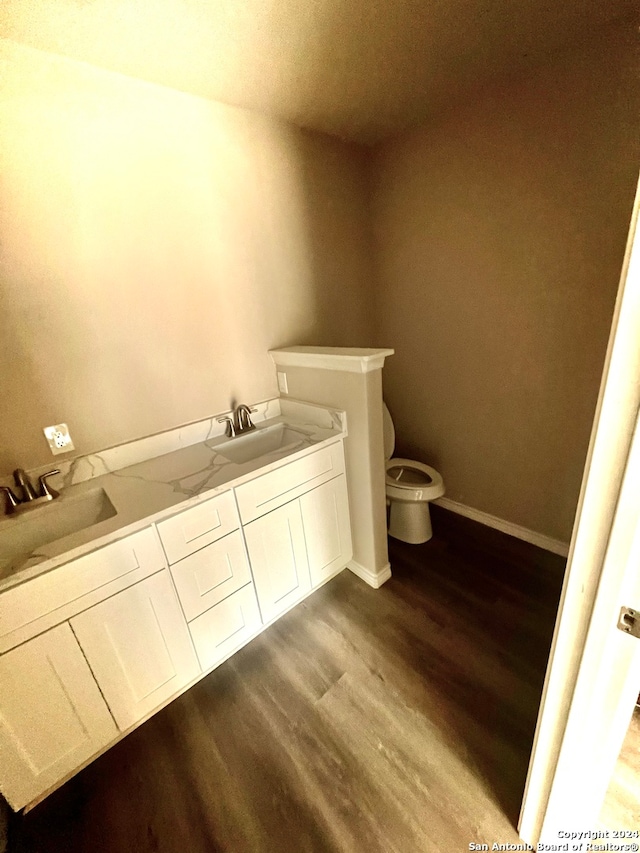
[
  {"x": 154, "y": 246},
  {"x": 500, "y": 232}
]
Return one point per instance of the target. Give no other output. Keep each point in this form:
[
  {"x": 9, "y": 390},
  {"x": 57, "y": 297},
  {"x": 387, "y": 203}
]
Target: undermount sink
[
  {"x": 24, "y": 533},
  {"x": 246, "y": 448}
]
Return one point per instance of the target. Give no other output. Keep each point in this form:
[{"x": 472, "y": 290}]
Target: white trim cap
[{"x": 350, "y": 359}]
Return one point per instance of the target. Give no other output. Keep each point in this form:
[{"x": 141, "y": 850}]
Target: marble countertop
[{"x": 154, "y": 489}]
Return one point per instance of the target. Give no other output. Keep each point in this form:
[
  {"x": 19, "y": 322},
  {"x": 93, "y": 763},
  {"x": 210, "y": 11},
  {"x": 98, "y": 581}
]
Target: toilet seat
[{"x": 415, "y": 481}]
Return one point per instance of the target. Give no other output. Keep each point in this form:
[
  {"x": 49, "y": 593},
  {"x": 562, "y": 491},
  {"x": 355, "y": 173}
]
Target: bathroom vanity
[{"x": 102, "y": 628}]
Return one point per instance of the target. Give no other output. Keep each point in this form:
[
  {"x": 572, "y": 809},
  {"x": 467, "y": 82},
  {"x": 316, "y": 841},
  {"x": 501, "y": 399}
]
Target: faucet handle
[
  {"x": 251, "y": 410},
  {"x": 21, "y": 479},
  {"x": 45, "y": 489},
  {"x": 230, "y": 430},
  {"x": 248, "y": 411},
  {"x": 12, "y": 500}
]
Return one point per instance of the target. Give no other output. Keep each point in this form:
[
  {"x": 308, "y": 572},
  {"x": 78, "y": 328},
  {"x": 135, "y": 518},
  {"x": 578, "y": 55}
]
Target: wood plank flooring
[
  {"x": 397, "y": 720},
  {"x": 621, "y": 807}
]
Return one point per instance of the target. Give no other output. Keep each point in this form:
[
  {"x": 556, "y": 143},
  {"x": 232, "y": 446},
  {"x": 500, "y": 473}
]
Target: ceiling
[{"x": 360, "y": 69}]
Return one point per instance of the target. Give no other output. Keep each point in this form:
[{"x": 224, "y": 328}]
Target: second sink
[{"x": 246, "y": 448}]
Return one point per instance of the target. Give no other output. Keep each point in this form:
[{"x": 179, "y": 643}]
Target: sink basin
[
  {"x": 246, "y": 448},
  {"x": 22, "y": 534}
]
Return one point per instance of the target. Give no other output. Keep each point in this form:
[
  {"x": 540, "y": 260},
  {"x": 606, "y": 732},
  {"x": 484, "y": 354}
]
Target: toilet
[{"x": 410, "y": 485}]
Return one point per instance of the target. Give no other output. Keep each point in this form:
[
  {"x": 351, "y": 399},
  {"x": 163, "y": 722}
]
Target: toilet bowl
[{"x": 410, "y": 485}]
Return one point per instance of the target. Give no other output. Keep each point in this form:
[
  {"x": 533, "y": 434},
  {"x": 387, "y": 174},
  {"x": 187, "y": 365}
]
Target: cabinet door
[
  {"x": 138, "y": 646},
  {"x": 327, "y": 530},
  {"x": 52, "y": 716},
  {"x": 278, "y": 557}
]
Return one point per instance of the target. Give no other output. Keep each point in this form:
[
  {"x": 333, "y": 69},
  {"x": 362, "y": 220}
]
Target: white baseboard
[
  {"x": 539, "y": 539},
  {"x": 374, "y": 579}
]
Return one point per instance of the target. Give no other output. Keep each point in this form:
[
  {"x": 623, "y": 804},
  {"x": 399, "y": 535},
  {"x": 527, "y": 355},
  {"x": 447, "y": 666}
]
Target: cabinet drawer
[
  {"x": 45, "y": 601},
  {"x": 211, "y": 574},
  {"x": 278, "y": 487},
  {"x": 226, "y": 626},
  {"x": 187, "y": 532}
]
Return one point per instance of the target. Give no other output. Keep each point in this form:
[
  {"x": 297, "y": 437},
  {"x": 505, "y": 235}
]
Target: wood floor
[
  {"x": 621, "y": 808},
  {"x": 397, "y": 720}
]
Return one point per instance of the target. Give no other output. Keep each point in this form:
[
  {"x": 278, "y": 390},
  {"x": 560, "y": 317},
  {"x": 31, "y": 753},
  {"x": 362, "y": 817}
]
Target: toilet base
[{"x": 410, "y": 521}]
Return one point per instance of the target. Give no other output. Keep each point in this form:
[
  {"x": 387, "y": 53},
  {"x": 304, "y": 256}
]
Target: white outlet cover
[
  {"x": 282, "y": 383},
  {"x": 59, "y": 439}
]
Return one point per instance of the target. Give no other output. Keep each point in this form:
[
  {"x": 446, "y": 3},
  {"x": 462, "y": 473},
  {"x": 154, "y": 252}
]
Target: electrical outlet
[
  {"x": 59, "y": 439},
  {"x": 282, "y": 383}
]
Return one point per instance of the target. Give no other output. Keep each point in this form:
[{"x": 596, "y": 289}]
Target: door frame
[{"x": 591, "y": 667}]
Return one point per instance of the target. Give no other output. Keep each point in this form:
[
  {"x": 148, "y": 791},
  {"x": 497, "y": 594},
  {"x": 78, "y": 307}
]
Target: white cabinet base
[{"x": 64, "y": 699}]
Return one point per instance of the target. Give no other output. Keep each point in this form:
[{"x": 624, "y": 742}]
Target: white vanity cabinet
[
  {"x": 92, "y": 647},
  {"x": 52, "y": 715},
  {"x": 139, "y": 648}
]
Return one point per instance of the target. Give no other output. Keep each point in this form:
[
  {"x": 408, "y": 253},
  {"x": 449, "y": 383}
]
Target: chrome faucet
[
  {"x": 239, "y": 422},
  {"x": 242, "y": 418},
  {"x": 27, "y": 496}
]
